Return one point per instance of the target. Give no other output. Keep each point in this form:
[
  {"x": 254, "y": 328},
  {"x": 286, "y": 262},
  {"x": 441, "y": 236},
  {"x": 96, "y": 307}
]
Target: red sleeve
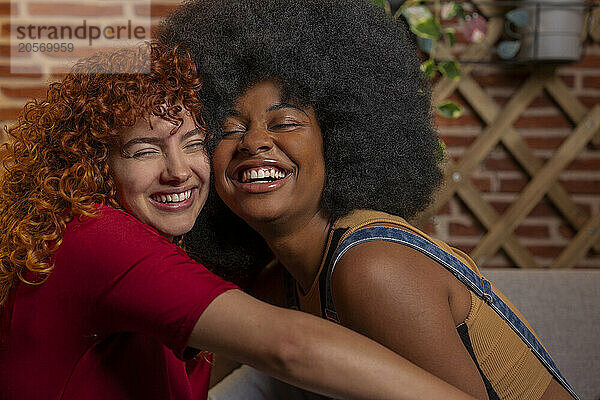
[{"x": 135, "y": 280}]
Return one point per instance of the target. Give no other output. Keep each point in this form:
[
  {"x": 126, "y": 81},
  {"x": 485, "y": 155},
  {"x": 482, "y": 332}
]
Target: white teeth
[
  {"x": 261, "y": 173},
  {"x": 172, "y": 198}
]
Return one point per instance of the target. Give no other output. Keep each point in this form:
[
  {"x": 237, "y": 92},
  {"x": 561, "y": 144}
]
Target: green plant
[{"x": 426, "y": 20}]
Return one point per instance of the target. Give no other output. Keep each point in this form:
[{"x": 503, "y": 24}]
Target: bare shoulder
[
  {"x": 395, "y": 277},
  {"x": 411, "y": 304},
  {"x": 384, "y": 262}
]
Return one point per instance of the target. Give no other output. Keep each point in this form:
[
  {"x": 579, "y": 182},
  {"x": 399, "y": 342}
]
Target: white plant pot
[{"x": 555, "y": 32}]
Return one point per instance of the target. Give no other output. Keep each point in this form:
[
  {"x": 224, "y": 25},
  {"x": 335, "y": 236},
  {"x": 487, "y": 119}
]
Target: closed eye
[
  {"x": 232, "y": 133},
  {"x": 146, "y": 153},
  {"x": 195, "y": 145},
  {"x": 286, "y": 125}
]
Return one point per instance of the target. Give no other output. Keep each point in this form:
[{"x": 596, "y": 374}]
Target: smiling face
[
  {"x": 162, "y": 173},
  {"x": 269, "y": 166}
]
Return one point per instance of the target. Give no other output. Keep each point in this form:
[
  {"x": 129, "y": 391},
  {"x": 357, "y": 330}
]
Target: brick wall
[{"x": 543, "y": 125}]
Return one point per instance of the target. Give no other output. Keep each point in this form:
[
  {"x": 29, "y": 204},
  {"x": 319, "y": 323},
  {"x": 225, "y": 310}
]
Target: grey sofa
[{"x": 563, "y": 306}]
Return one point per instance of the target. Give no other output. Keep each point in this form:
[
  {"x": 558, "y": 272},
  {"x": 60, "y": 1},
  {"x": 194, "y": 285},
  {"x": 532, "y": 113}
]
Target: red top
[{"x": 112, "y": 320}]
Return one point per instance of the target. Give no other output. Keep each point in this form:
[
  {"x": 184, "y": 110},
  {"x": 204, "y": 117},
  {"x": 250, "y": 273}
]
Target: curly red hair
[{"x": 55, "y": 164}]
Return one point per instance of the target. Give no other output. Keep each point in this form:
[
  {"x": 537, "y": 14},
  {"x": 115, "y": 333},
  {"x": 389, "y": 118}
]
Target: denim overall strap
[
  {"x": 326, "y": 299},
  {"x": 478, "y": 284}
]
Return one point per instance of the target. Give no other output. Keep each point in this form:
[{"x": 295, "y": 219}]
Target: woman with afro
[
  {"x": 99, "y": 182},
  {"x": 325, "y": 149}
]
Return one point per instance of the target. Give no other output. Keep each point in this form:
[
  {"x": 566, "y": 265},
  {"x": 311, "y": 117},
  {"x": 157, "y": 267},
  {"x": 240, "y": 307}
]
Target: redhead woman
[
  {"x": 326, "y": 150},
  {"x": 102, "y": 178}
]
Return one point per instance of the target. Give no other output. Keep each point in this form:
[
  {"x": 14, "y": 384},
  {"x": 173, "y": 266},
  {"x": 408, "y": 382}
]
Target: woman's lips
[{"x": 156, "y": 199}]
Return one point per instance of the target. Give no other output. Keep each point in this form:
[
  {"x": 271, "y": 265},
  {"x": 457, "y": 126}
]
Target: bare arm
[
  {"x": 402, "y": 299},
  {"x": 311, "y": 353}
]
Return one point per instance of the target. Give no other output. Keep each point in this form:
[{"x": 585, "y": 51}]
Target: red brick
[
  {"x": 445, "y": 210},
  {"x": 534, "y": 231},
  {"x": 500, "y": 206},
  {"x": 457, "y": 229},
  {"x": 589, "y": 61},
  {"x": 483, "y": 184},
  {"x": 158, "y": 10},
  {"x": 589, "y": 101},
  {"x": 5, "y": 51},
  {"x": 8, "y": 114},
  {"x": 540, "y": 101},
  {"x": 463, "y": 248},
  {"x": 74, "y": 9},
  {"x": 544, "y": 143},
  {"x": 568, "y": 80},
  {"x": 542, "y": 209},
  {"x": 5, "y": 72},
  {"x": 501, "y": 164},
  {"x": 77, "y": 53},
  {"x": 5, "y": 9},
  {"x": 547, "y": 251},
  {"x": 587, "y": 164},
  {"x": 456, "y": 97},
  {"x": 543, "y": 121},
  {"x": 58, "y": 72},
  {"x": 512, "y": 80},
  {"x": 429, "y": 228},
  {"x": 582, "y": 186},
  {"x": 591, "y": 82},
  {"x": 566, "y": 231},
  {"x": 457, "y": 141},
  {"x": 464, "y": 120},
  {"x": 26, "y": 93},
  {"x": 513, "y": 185},
  {"x": 143, "y": 10},
  {"x": 585, "y": 208}
]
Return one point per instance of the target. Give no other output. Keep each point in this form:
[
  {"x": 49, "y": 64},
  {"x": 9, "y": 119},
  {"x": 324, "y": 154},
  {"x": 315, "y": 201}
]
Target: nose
[
  {"x": 256, "y": 140},
  {"x": 177, "y": 169}
]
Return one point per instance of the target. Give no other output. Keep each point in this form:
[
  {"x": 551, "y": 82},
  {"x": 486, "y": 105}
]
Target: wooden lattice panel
[{"x": 543, "y": 175}]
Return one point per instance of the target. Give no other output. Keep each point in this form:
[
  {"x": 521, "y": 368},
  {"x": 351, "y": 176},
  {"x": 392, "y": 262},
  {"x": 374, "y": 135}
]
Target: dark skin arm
[{"x": 412, "y": 305}]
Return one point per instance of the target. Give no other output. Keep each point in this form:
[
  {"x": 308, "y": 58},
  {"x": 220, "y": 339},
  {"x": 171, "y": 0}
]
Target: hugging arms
[
  {"x": 100, "y": 181},
  {"x": 325, "y": 149}
]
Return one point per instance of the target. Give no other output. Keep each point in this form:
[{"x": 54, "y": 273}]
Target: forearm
[
  {"x": 341, "y": 363},
  {"x": 312, "y": 353}
]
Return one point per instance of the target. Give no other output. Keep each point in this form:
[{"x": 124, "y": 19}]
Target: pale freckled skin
[{"x": 153, "y": 160}]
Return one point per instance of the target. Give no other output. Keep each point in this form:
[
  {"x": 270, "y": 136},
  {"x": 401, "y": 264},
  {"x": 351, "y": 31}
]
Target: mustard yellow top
[{"x": 513, "y": 370}]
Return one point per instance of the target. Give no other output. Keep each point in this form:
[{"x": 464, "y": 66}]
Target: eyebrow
[
  {"x": 279, "y": 106},
  {"x": 274, "y": 107},
  {"x": 155, "y": 140},
  {"x": 195, "y": 131}
]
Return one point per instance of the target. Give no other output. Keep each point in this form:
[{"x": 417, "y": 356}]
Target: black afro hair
[{"x": 353, "y": 64}]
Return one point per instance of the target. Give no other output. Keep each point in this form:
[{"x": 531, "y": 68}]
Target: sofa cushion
[{"x": 563, "y": 306}]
